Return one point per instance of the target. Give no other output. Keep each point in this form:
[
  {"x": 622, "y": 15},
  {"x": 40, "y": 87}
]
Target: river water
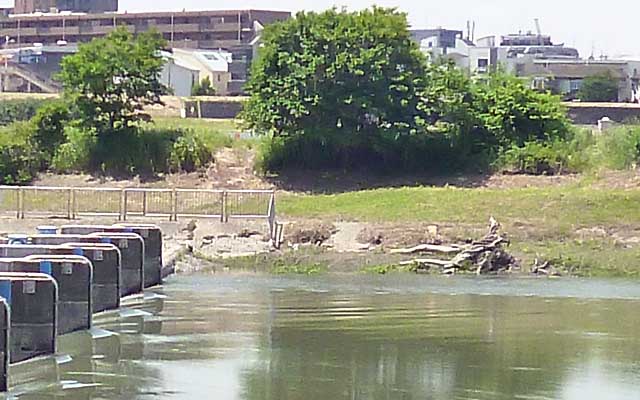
[{"x": 354, "y": 337}]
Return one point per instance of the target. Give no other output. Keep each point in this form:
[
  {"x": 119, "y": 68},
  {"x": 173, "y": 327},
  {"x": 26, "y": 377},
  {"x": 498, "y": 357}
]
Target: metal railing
[{"x": 72, "y": 203}]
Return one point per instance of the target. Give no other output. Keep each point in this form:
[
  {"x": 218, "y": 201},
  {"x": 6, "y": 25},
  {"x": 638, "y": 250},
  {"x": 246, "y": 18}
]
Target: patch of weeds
[
  {"x": 296, "y": 267},
  {"x": 389, "y": 268}
]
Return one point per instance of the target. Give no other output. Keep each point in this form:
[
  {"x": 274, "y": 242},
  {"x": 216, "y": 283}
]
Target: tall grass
[{"x": 582, "y": 151}]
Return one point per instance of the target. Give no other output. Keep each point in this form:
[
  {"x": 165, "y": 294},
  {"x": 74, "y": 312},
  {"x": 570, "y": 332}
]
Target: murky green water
[{"x": 361, "y": 337}]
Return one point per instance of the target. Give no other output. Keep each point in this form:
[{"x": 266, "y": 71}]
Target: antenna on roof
[
  {"x": 540, "y": 39},
  {"x": 473, "y": 32}
]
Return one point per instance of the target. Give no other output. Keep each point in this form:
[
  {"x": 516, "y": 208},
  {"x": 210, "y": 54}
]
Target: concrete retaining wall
[
  {"x": 33, "y": 300},
  {"x": 591, "y": 113},
  {"x": 228, "y": 109}
]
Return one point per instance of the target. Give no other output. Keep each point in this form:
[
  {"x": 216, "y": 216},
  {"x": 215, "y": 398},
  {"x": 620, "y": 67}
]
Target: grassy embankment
[{"x": 554, "y": 223}]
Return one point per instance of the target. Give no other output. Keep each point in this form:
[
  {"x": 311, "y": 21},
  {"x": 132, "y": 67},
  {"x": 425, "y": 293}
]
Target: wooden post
[
  {"x": 174, "y": 205},
  {"x": 223, "y": 206},
  {"x": 21, "y": 203},
  {"x": 69, "y": 202},
  {"x": 126, "y": 198},
  {"x": 144, "y": 203}
]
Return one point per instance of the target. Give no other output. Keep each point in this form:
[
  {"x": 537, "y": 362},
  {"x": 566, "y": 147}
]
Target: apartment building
[{"x": 87, "y": 6}]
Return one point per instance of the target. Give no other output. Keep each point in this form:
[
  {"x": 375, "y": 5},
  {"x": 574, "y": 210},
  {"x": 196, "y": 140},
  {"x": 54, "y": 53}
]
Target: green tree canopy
[
  {"x": 513, "y": 114},
  {"x": 601, "y": 87},
  {"x": 110, "y": 80},
  {"x": 352, "y": 74}
]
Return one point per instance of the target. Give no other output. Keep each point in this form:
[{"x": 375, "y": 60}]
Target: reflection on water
[{"x": 361, "y": 337}]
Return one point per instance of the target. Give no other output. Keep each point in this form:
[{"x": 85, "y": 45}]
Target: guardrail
[{"x": 74, "y": 202}]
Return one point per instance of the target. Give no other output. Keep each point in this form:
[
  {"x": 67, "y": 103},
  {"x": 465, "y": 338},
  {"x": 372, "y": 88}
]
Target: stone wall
[
  {"x": 590, "y": 113},
  {"x": 210, "y": 108}
]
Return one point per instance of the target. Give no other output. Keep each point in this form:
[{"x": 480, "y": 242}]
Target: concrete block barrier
[
  {"x": 131, "y": 248},
  {"x": 4, "y": 345},
  {"x": 32, "y": 299},
  {"x": 152, "y": 236},
  {"x": 74, "y": 275},
  {"x": 105, "y": 258}
]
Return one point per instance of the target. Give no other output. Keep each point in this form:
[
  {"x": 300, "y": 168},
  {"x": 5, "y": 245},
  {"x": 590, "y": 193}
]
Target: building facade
[
  {"x": 85, "y": 6},
  {"x": 236, "y": 32}
]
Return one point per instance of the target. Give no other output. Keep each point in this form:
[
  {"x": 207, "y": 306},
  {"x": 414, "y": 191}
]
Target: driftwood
[
  {"x": 484, "y": 256},
  {"x": 428, "y": 248},
  {"x": 545, "y": 269}
]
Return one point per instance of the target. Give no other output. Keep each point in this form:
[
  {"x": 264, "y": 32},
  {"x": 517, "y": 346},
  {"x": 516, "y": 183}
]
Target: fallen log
[{"x": 428, "y": 248}]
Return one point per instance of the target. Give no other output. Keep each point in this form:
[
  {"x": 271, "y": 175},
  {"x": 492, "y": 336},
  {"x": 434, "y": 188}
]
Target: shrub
[
  {"x": 189, "y": 153},
  {"x": 134, "y": 151},
  {"x": 50, "y": 121},
  {"x": 20, "y": 159},
  {"x": 203, "y": 88},
  {"x": 514, "y": 114},
  {"x": 18, "y": 110},
  {"x": 75, "y": 154},
  {"x": 535, "y": 158},
  {"x": 618, "y": 148},
  {"x": 599, "y": 88}
]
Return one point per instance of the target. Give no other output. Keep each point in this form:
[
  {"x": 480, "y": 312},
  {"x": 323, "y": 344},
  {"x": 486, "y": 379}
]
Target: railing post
[
  {"x": 144, "y": 203},
  {"x": 74, "y": 203},
  {"x": 18, "y": 204},
  {"x": 69, "y": 202},
  {"x": 223, "y": 205},
  {"x": 21, "y": 203},
  {"x": 174, "y": 205},
  {"x": 125, "y": 196},
  {"x": 121, "y": 205}
]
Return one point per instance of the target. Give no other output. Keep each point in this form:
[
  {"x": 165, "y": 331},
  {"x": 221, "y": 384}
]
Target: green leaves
[
  {"x": 599, "y": 88},
  {"x": 342, "y": 88},
  {"x": 111, "y": 79},
  {"x": 318, "y": 68}
]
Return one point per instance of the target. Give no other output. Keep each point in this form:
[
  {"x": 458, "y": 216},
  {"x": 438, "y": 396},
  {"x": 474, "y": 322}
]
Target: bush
[
  {"x": 618, "y": 148},
  {"x": 75, "y": 154},
  {"x": 599, "y": 88},
  {"x": 513, "y": 114},
  {"x": 433, "y": 152},
  {"x": 50, "y": 121},
  {"x": 535, "y": 158},
  {"x": 18, "y": 110},
  {"x": 20, "y": 159},
  {"x": 189, "y": 153},
  {"x": 134, "y": 151},
  {"x": 203, "y": 88}
]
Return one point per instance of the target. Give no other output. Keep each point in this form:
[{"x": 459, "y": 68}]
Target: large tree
[
  {"x": 110, "y": 80},
  {"x": 352, "y": 75}
]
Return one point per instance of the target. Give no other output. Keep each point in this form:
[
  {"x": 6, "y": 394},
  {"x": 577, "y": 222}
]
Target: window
[
  {"x": 575, "y": 85},
  {"x": 483, "y": 63}
]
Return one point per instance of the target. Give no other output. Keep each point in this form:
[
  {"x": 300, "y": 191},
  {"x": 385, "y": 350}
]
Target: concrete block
[
  {"x": 4, "y": 345},
  {"x": 74, "y": 275},
  {"x": 105, "y": 259},
  {"x": 131, "y": 248},
  {"x": 152, "y": 236},
  {"x": 32, "y": 299}
]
